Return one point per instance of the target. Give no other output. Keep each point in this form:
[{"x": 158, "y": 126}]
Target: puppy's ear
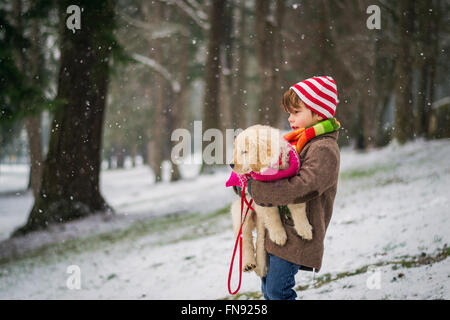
[
  {"x": 275, "y": 144},
  {"x": 269, "y": 151},
  {"x": 255, "y": 167},
  {"x": 234, "y": 151},
  {"x": 254, "y": 159},
  {"x": 266, "y": 146}
]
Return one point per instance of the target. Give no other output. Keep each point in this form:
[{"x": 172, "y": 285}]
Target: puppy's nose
[{"x": 232, "y": 165}]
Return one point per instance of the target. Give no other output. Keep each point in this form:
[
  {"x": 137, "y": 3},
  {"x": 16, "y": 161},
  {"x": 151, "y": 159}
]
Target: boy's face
[{"x": 302, "y": 117}]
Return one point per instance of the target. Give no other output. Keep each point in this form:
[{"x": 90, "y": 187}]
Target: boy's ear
[{"x": 317, "y": 117}]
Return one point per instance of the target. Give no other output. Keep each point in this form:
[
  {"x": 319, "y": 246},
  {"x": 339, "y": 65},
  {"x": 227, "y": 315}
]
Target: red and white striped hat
[{"x": 319, "y": 94}]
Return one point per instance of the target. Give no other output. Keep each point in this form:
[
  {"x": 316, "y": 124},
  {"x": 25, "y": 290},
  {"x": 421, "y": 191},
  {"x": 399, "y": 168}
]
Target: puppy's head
[{"x": 256, "y": 148}]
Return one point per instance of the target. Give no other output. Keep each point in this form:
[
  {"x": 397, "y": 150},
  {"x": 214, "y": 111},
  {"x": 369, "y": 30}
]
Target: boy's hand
[{"x": 249, "y": 190}]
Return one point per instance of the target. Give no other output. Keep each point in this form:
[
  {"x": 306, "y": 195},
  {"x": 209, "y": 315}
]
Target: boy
[{"x": 308, "y": 103}]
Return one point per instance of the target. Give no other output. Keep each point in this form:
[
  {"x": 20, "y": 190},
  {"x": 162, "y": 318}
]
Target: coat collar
[{"x": 333, "y": 135}]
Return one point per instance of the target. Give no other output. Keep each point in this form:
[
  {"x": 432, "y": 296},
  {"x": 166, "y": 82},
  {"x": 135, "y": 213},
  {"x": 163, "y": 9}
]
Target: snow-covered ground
[
  {"x": 391, "y": 209},
  {"x": 131, "y": 192}
]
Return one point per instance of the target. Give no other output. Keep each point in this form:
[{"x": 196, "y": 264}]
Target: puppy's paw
[
  {"x": 278, "y": 236},
  {"x": 249, "y": 264},
  {"x": 304, "y": 230},
  {"x": 248, "y": 267}
]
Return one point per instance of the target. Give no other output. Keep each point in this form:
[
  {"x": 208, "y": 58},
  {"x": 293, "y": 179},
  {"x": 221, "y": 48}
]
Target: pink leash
[{"x": 239, "y": 241}]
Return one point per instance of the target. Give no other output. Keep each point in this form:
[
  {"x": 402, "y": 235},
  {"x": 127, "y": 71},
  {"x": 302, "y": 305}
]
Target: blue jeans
[{"x": 279, "y": 281}]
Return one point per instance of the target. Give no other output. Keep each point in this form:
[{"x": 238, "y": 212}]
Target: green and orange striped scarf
[{"x": 300, "y": 137}]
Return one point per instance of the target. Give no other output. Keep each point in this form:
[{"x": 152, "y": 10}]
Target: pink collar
[{"x": 270, "y": 174}]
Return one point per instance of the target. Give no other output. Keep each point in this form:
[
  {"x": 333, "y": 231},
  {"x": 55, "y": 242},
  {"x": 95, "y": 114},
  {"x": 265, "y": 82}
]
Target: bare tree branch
[
  {"x": 174, "y": 84},
  {"x": 200, "y": 13},
  {"x": 193, "y": 14},
  {"x": 388, "y": 8},
  {"x": 158, "y": 31}
]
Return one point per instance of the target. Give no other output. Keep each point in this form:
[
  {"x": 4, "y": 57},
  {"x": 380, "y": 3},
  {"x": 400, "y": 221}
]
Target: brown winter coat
[{"x": 315, "y": 184}]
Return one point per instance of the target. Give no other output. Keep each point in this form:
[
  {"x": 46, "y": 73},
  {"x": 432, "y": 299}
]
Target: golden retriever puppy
[{"x": 256, "y": 149}]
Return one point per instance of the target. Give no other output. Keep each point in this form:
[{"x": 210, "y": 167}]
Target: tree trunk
[
  {"x": 33, "y": 124},
  {"x": 133, "y": 155},
  {"x": 120, "y": 157},
  {"x": 227, "y": 65},
  {"x": 268, "y": 106},
  {"x": 370, "y": 100},
  {"x": 359, "y": 130},
  {"x": 435, "y": 25},
  {"x": 280, "y": 46},
  {"x": 239, "y": 106},
  {"x": 70, "y": 179},
  {"x": 21, "y": 66},
  {"x": 423, "y": 56},
  {"x": 177, "y": 114},
  {"x": 325, "y": 43},
  {"x": 404, "y": 125},
  {"x": 211, "y": 107},
  {"x": 33, "y": 127},
  {"x": 155, "y": 13},
  {"x": 384, "y": 82}
]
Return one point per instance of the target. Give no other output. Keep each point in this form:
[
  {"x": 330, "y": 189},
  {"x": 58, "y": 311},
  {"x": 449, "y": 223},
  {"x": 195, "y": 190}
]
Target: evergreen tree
[{"x": 70, "y": 180}]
